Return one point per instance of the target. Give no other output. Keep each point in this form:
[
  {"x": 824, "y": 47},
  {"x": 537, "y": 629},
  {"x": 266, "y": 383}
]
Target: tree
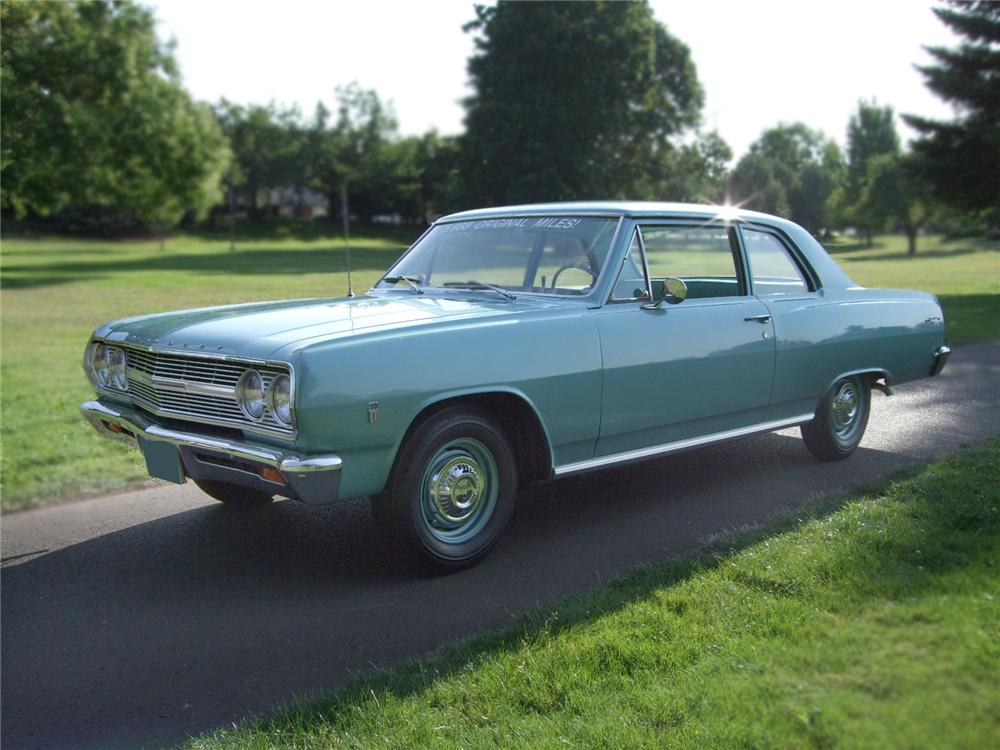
[
  {"x": 572, "y": 100},
  {"x": 695, "y": 172},
  {"x": 437, "y": 164},
  {"x": 266, "y": 148},
  {"x": 355, "y": 155},
  {"x": 960, "y": 158},
  {"x": 95, "y": 117},
  {"x": 871, "y": 132},
  {"x": 790, "y": 171},
  {"x": 755, "y": 183},
  {"x": 893, "y": 192}
]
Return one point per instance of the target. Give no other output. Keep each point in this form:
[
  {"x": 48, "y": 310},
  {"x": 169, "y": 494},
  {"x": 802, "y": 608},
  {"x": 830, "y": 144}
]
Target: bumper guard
[{"x": 940, "y": 359}]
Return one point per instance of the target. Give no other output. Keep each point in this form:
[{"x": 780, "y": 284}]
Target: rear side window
[{"x": 771, "y": 267}]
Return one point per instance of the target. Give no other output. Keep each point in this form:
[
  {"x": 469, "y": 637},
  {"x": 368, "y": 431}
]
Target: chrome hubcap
[
  {"x": 459, "y": 490},
  {"x": 846, "y": 407}
]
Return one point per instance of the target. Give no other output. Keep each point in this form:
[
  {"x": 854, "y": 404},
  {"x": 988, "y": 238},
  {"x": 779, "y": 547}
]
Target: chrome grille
[{"x": 200, "y": 389}]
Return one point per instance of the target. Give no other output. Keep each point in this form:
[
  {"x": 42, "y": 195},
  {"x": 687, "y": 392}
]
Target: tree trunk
[
  {"x": 252, "y": 198},
  {"x": 868, "y": 238},
  {"x": 911, "y": 239},
  {"x": 232, "y": 219}
]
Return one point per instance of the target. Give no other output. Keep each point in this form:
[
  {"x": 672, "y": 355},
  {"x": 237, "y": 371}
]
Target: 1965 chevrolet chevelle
[{"x": 511, "y": 345}]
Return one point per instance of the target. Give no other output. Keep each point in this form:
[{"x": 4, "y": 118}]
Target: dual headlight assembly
[
  {"x": 253, "y": 396},
  {"x": 106, "y": 367}
]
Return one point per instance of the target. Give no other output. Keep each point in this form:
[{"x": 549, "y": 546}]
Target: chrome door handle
[{"x": 762, "y": 319}]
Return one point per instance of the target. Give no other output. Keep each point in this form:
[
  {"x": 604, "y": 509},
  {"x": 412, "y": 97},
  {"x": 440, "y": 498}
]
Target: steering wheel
[{"x": 578, "y": 265}]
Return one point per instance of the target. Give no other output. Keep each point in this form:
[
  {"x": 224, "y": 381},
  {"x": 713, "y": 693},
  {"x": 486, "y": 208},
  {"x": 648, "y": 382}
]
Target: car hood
[{"x": 260, "y": 330}]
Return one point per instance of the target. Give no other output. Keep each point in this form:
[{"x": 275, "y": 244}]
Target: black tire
[
  {"x": 836, "y": 430},
  {"x": 452, "y": 491},
  {"x": 233, "y": 494}
]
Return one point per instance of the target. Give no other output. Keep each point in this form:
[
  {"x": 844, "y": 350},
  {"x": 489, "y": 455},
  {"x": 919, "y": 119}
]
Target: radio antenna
[{"x": 347, "y": 234}]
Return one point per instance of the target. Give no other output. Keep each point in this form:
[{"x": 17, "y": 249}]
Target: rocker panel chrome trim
[{"x": 676, "y": 446}]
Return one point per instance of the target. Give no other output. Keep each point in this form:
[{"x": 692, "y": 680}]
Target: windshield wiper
[
  {"x": 479, "y": 285},
  {"x": 413, "y": 282}
]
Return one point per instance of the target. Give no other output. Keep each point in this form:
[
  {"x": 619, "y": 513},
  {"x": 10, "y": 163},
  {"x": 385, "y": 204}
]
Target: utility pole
[{"x": 347, "y": 234}]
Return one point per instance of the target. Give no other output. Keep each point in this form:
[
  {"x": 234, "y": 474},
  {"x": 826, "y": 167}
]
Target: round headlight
[
  {"x": 250, "y": 395},
  {"x": 280, "y": 394},
  {"x": 116, "y": 364},
  {"x": 101, "y": 366}
]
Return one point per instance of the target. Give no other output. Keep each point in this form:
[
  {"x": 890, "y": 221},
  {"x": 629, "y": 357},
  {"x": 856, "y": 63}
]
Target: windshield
[{"x": 540, "y": 254}]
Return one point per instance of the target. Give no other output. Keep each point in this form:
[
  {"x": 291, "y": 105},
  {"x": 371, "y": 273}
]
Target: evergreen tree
[{"x": 960, "y": 158}]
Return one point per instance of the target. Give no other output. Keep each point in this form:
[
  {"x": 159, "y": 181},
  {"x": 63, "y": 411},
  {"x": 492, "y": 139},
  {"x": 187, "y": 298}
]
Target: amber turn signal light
[{"x": 271, "y": 475}]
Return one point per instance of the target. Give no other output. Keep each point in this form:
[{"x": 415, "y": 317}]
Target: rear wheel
[
  {"x": 233, "y": 494},
  {"x": 453, "y": 490},
  {"x": 840, "y": 421}
]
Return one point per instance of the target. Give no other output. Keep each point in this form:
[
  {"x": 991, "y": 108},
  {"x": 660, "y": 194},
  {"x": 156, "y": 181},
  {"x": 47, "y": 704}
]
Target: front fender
[{"x": 552, "y": 361}]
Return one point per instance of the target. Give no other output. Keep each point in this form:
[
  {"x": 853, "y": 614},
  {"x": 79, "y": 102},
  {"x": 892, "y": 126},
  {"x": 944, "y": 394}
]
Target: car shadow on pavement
[{"x": 189, "y": 622}]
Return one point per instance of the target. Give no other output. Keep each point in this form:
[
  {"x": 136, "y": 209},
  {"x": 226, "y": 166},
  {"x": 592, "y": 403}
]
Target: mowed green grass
[
  {"x": 57, "y": 290},
  {"x": 872, "y": 621}
]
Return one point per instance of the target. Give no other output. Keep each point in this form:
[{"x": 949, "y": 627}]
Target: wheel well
[
  {"x": 872, "y": 378},
  {"x": 520, "y": 425}
]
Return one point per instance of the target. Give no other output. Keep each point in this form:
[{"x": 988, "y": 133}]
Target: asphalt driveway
[{"x": 142, "y": 618}]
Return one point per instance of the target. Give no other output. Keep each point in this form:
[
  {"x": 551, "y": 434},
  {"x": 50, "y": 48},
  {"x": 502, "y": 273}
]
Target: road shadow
[
  {"x": 943, "y": 249},
  {"x": 187, "y": 623},
  {"x": 903, "y": 255},
  {"x": 258, "y": 261}
]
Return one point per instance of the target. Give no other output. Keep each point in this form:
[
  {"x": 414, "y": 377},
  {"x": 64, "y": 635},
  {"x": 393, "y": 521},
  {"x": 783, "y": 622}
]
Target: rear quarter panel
[{"x": 825, "y": 335}]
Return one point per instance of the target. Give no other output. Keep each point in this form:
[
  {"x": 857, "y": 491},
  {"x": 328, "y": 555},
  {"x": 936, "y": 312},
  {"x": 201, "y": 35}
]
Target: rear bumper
[
  {"x": 311, "y": 479},
  {"x": 940, "y": 359}
]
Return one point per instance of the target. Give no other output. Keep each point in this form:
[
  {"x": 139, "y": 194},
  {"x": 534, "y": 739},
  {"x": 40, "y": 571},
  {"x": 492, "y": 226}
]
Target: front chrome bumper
[
  {"x": 314, "y": 479},
  {"x": 940, "y": 359}
]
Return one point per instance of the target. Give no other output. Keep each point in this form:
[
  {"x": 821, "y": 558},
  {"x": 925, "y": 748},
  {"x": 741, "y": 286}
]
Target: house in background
[{"x": 297, "y": 201}]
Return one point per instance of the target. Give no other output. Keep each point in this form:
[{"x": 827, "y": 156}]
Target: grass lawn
[
  {"x": 57, "y": 290},
  {"x": 872, "y": 621}
]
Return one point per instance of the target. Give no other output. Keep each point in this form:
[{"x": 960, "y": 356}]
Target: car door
[
  {"x": 682, "y": 371},
  {"x": 808, "y": 338}
]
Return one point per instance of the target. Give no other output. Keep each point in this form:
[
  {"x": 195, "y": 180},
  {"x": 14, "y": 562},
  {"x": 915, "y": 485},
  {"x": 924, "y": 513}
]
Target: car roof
[
  {"x": 830, "y": 274},
  {"x": 637, "y": 209}
]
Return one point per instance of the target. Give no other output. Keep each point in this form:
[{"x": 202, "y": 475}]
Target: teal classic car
[{"x": 507, "y": 346}]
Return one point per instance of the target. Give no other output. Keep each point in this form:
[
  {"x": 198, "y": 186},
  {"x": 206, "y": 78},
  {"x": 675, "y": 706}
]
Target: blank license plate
[{"x": 163, "y": 460}]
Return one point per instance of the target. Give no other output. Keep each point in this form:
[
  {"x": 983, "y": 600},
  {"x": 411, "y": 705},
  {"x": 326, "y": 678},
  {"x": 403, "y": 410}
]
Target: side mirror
[
  {"x": 675, "y": 290},
  {"x": 671, "y": 290}
]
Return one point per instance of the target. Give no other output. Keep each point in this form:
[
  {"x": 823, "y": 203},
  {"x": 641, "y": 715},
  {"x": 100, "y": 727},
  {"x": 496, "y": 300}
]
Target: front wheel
[
  {"x": 836, "y": 430},
  {"x": 453, "y": 489}
]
